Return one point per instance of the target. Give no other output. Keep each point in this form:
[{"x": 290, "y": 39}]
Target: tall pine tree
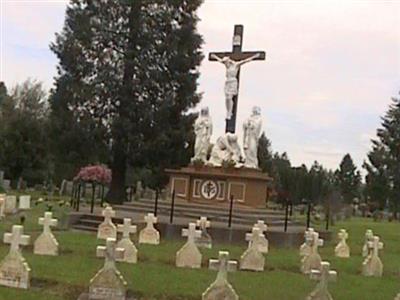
[
  {"x": 383, "y": 165},
  {"x": 348, "y": 179},
  {"x": 128, "y": 70}
]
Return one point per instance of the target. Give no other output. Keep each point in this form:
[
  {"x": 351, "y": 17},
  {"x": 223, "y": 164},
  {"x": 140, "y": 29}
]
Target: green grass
[{"x": 156, "y": 277}]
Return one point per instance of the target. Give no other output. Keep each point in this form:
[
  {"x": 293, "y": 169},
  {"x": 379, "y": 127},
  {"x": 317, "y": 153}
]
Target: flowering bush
[{"x": 97, "y": 174}]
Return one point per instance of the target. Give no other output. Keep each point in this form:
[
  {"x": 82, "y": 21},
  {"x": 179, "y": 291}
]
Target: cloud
[{"x": 330, "y": 71}]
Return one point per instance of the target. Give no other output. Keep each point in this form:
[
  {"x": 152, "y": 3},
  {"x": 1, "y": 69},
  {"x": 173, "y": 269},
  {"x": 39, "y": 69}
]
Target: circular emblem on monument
[{"x": 209, "y": 189}]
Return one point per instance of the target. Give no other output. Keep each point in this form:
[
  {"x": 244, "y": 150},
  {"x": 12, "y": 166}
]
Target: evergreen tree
[
  {"x": 23, "y": 138},
  {"x": 383, "y": 178},
  {"x": 265, "y": 155},
  {"x": 348, "y": 179},
  {"x": 128, "y": 70}
]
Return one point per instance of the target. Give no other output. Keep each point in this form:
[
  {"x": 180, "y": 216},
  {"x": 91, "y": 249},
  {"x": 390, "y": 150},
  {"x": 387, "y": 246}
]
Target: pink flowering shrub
[{"x": 97, "y": 174}]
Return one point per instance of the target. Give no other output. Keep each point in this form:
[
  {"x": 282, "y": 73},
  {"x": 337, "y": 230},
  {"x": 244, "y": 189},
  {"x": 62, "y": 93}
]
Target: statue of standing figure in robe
[
  {"x": 203, "y": 130},
  {"x": 251, "y": 134}
]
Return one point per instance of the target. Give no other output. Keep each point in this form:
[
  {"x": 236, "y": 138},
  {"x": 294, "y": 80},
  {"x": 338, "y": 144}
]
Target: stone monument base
[{"x": 216, "y": 184}]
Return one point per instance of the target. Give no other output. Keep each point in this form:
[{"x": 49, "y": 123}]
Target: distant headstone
[
  {"x": 323, "y": 276},
  {"x": 149, "y": 235},
  {"x": 2, "y": 205},
  {"x": 63, "y": 187},
  {"x": 139, "y": 190},
  {"x": 6, "y": 184},
  {"x": 108, "y": 283},
  {"x": 252, "y": 259},
  {"x": 107, "y": 229},
  {"x": 14, "y": 270},
  {"x": 372, "y": 265},
  {"x": 342, "y": 249},
  {"x": 369, "y": 236},
  {"x": 25, "y": 202},
  {"x": 204, "y": 241},
  {"x": 313, "y": 260},
  {"x": 189, "y": 255},
  {"x": 305, "y": 248},
  {"x": 130, "y": 253},
  {"x": 11, "y": 204},
  {"x": 220, "y": 288},
  {"x": 46, "y": 243},
  {"x": 263, "y": 245}
]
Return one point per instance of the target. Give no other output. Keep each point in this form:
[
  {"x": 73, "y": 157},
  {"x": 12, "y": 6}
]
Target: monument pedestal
[{"x": 216, "y": 184}]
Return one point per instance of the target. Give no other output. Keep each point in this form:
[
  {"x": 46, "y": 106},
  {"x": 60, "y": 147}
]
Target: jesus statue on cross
[{"x": 231, "y": 83}]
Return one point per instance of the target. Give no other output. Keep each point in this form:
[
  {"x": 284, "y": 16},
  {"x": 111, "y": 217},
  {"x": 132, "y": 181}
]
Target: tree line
[{"x": 126, "y": 83}]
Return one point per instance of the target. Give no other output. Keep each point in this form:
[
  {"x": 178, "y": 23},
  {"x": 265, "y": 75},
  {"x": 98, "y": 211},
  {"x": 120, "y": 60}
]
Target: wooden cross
[
  {"x": 254, "y": 237},
  {"x": 261, "y": 225},
  {"x": 191, "y": 232},
  {"x": 127, "y": 228},
  {"x": 110, "y": 253},
  {"x": 237, "y": 55},
  {"x": 150, "y": 220},
  {"x": 375, "y": 245},
  {"x": 324, "y": 275},
  {"x": 108, "y": 213},
  {"x": 203, "y": 223},
  {"x": 16, "y": 238},
  {"x": 48, "y": 221},
  {"x": 223, "y": 265}
]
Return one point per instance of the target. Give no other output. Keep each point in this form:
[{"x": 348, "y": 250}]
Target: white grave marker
[
  {"x": 2, "y": 205},
  {"x": 189, "y": 255},
  {"x": 305, "y": 248},
  {"x": 11, "y": 205},
  {"x": 313, "y": 260},
  {"x": 108, "y": 283},
  {"x": 130, "y": 254},
  {"x": 369, "y": 235},
  {"x": 372, "y": 265},
  {"x": 107, "y": 229},
  {"x": 342, "y": 249},
  {"x": 252, "y": 259},
  {"x": 323, "y": 276},
  {"x": 204, "y": 241},
  {"x": 25, "y": 202},
  {"x": 46, "y": 243},
  {"x": 14, "y": 270},
  {"x": 149, "y": 235},
  {"x": 220, "y": 288},
  {"x": 264, "y": 244}
]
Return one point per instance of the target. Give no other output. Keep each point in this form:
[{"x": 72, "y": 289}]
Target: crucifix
[{"x": 233, "y": 61}]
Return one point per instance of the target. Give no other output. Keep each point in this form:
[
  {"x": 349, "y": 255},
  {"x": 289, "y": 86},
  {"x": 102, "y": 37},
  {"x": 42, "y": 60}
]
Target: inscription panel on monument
[
  {"x": 238, "y": 191},
  {"x": 209, "y": 189}
]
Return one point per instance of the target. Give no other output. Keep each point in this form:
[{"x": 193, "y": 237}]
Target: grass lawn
[{"x": 156, "y": 277}]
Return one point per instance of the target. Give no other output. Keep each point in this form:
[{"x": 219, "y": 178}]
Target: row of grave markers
[
  {"x": 8, "y": 204},
  {"x": 108, "y": 282}
]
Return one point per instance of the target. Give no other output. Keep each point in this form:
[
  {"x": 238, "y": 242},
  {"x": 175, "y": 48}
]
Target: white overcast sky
[{"x": 331, "y": 68}]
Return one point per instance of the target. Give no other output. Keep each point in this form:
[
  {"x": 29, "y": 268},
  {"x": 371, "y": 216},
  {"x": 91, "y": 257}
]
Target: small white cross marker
[
  {"x": 203, "y": 223},
  {"x": 16, "y": 238},
  {"x": 191, "y": 232},
  {"x": 223, "y": 264},
  {"x": 48, "y": 222},
  {"x": 110, "y": 252},
  {"x": 127, "y": 228},
  {"x": 108, "y": 213},
  {"x": 150, "y": 220}
]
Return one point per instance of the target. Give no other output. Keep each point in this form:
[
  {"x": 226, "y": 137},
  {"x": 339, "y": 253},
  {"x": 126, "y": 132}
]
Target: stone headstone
[
  {"x": 14, "y": 270},
  {"x": 323, "y": 276},
  {"x": 342, "y": 249},
  {"x": 108, "y": 283},
  {"x": 63, "y": 187},
  {"x": 46, "y": 243},
  {"x": 2, "y": 205},
  {"x": 369, "y": 236},
  {"x": 139, "y": 190},
  {"x": 149, "y": 235},
  {"x": 11, "y": 205},
  {"x": 130, "y": 253},
  {"x": 189, "y": 255},
  {"x": 372, "y": 265},
  {"x": 6, "y": 184},
  {"x": 107, "y": 229},
  {"x": 25, "y": 202},
  {"x": 264, "y": 244},
  {"x": 252, "y": 259},
  {"x": 397, "y": 297},
  {"x": 305, "y": 248},
  {"x": 220, "y": 288},
  {"x": 204, "y": 241},
  {"x": 313, "y": 260}
]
